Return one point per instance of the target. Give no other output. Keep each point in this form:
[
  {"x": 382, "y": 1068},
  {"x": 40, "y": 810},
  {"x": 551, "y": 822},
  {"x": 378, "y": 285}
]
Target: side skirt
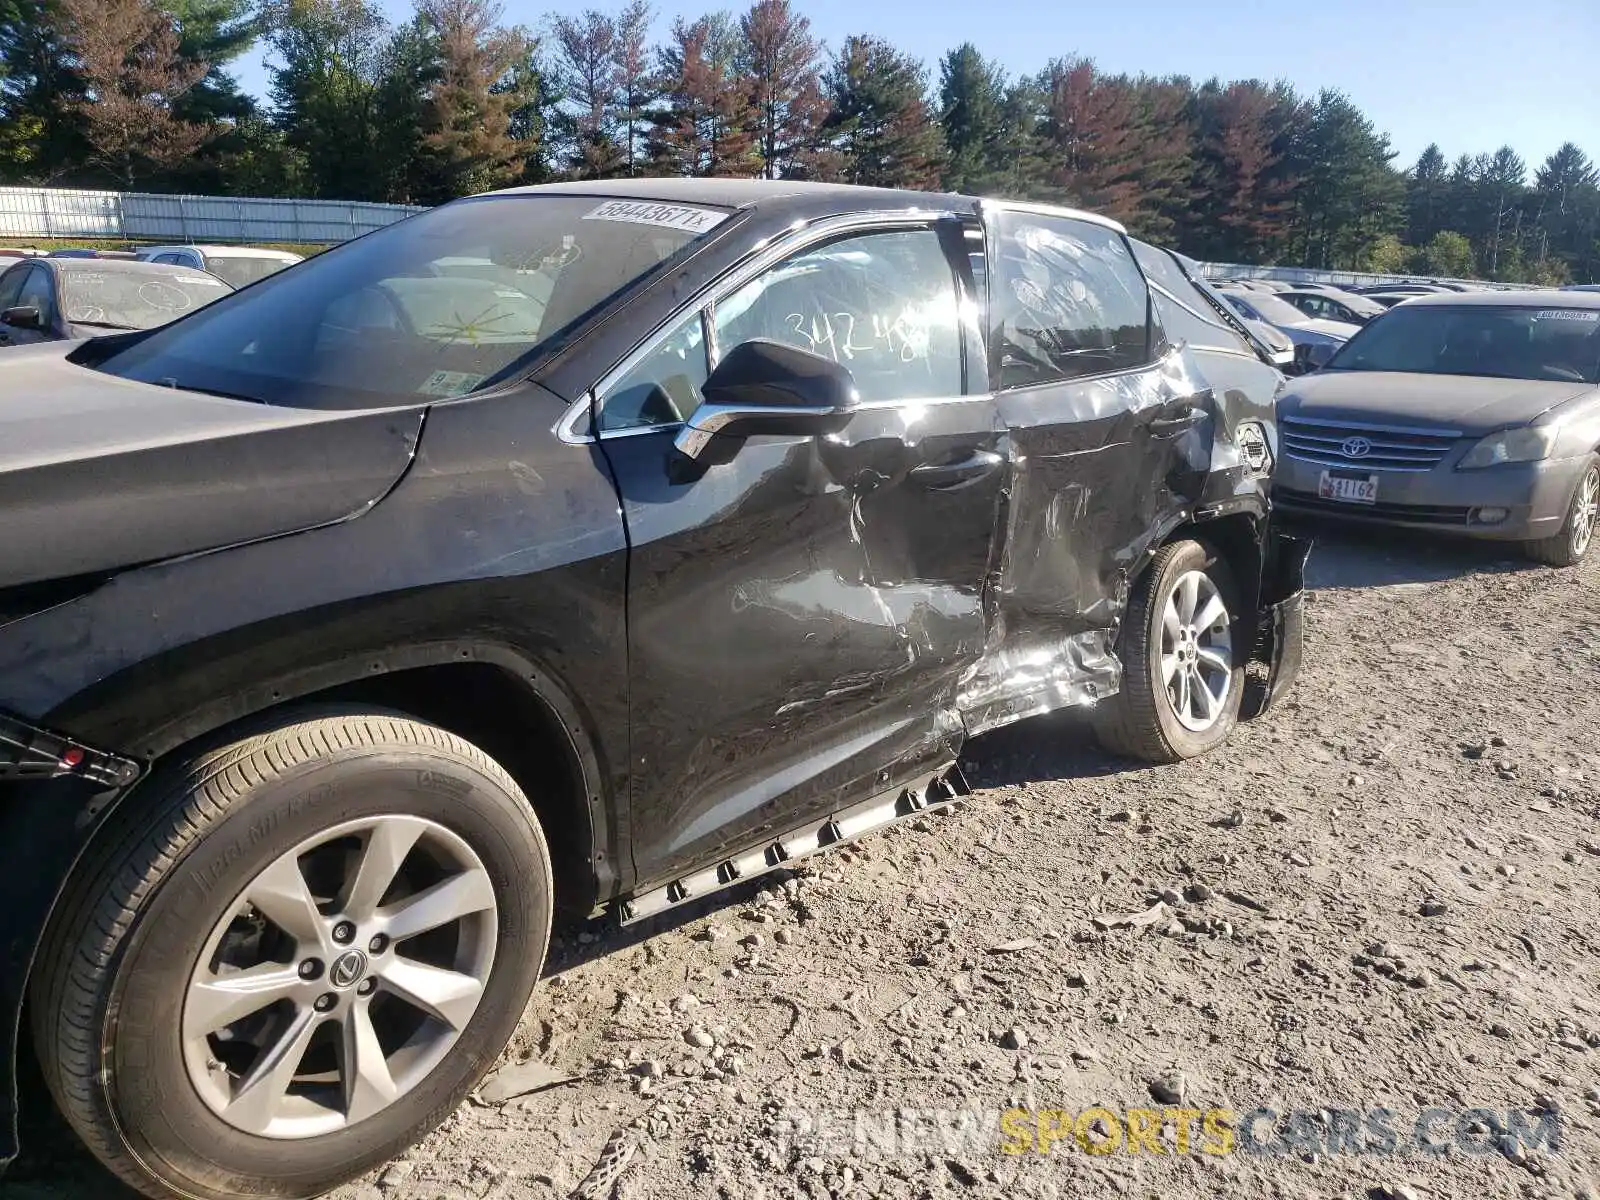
[{"x": 937, "y": 790}]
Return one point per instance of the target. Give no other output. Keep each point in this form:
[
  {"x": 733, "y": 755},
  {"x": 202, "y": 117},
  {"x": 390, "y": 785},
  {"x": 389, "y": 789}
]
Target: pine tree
[
  {"x": 707, "y": 126},
  {"x": 1426, "y": 188},
  {"x": 214, "y": 32},
  {"x": 780, "y": 58},
  {"x": 635, "y": 84},
  {"x": 588, "y": 86},
  {"x": 466, "y": 119},
  {"x": 1237, "y": 211},
  {"x": 1347, "y": 194},
  {"x": 347, "y": 94},
  {"x": 1566, "y": 193},
  {"x": 41, "y": 122},
  {"x": 1090, "y": 138},
  {"x": 879, "y": 125},
  {"x": 127, "y": 55},
  {"x": 972, "y": 112}
]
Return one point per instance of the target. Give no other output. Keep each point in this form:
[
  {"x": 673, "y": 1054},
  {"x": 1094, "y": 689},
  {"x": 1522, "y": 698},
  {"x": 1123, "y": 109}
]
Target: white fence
[{"x": 142, "y": 216}]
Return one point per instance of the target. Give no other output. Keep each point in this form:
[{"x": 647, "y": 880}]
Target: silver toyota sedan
[{"x": 1476, "y": 414}]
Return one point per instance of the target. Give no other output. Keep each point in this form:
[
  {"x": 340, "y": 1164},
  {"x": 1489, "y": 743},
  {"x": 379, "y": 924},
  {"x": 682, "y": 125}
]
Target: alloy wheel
[
  {"x": 1586, "y": 512},
  {"x": 1196, "y": 651},
  {"x": 339, "y": 977}
]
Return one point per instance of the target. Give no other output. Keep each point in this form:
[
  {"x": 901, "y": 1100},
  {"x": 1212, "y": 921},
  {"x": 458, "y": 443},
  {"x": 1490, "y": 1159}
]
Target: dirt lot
[{"x": 1387, "y": 895}]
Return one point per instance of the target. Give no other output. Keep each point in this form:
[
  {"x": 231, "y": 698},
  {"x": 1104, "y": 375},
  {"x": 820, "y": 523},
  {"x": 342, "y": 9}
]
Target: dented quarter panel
[{"x": 1097, "y": 481}]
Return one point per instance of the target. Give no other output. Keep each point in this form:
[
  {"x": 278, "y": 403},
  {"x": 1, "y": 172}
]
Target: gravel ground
[{"x": 1384, "y": 895}]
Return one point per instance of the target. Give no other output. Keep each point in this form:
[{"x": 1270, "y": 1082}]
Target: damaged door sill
[{"x": 934, "y": 791}]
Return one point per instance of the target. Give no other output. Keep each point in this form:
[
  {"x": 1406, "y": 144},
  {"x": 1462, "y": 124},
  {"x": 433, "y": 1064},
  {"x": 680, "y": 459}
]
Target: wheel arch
[{"x": 490, "y": 694}]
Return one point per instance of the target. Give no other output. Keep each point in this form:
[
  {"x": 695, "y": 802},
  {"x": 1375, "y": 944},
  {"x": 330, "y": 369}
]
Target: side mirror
[
  {"x": 763, "y": 386},
  {"x": 1283, "y": 358},
  {"x": 26, "y": 317}
]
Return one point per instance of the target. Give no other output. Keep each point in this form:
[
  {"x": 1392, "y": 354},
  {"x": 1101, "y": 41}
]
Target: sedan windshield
[
  {"x": 1266, "y": 307},
  {"x": 240, "y": 270},
  {"x": 123, "y": 297},
  {"x": 1558, "y": 344},
  {"x": 437, "y": 305}
]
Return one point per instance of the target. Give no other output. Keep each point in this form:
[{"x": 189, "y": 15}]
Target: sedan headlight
[{"x": 1528, "y": 444}]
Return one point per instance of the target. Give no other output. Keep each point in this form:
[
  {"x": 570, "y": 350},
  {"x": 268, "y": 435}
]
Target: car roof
[
  {"x": 218, "y": 251},
  {"x": 1524, "y": 299},
  {"x": 124, "y": 266},
  {"x": 775, "y": 194}
]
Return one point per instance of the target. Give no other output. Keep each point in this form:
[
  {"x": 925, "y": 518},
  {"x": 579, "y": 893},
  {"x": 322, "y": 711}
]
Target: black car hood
[{"x": 99, "y": 473}]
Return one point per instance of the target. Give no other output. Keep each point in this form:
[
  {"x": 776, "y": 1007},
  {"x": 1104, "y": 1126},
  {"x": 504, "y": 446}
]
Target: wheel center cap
[{"x": 348, "y": 969}]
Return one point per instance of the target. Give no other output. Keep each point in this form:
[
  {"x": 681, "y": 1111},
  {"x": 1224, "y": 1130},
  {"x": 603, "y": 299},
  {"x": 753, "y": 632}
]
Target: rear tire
[
  {"x": 388, "y": 826},
  {"x": 1570, "y": 546},
  {"x": 1160, "y": 715}
]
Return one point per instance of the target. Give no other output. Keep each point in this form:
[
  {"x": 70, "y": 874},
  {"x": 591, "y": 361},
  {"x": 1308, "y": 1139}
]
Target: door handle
[
  {"x": 947, "y": 477},
  {"x": 1188, "y": 415}
]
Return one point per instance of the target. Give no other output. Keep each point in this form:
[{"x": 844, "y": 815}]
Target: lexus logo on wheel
[
  {"x": 1356, "y": 447},
  {"x": 348, "y": 968}
]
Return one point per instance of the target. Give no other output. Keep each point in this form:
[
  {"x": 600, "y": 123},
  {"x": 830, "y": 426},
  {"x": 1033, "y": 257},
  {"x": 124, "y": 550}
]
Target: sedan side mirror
[
  {"x": 763, "y": 386},
  {"x": 26, "y": 317}
]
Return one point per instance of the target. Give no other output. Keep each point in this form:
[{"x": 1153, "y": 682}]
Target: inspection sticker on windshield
[
  {"x": 450, "y": 383},
  {"x": 1568, "y": 314},
  {"x": 669, "y": 216}
]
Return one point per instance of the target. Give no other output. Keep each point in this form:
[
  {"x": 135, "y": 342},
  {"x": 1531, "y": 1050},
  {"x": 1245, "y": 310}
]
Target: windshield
[
  {"x": 1267, "y": 307},
  {"x": 135, "y": 299},
  {"x": 1561, "y": 344},
  {"x": 437, "y": 305},
  {"x": 238, "y": 271}
]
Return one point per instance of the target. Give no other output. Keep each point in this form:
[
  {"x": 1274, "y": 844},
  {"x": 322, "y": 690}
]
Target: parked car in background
[
  {"x": 1582, "y": 287},
  {"x": 1192, "y": 312},
  {"x": 239, "y": 265},
  {"x": 1475, "y": 413},
  {"x": 1332, "y": 305},
  {"x": 1388, "y": 300},
  {"x": 58, "y": 299},
  {"x": 348, "y": 631},
  {"x": 1315, "y": 338},
  {"x": 90, "y": 253}
]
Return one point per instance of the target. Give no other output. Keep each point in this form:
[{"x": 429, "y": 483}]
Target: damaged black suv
[{"x": 585, "y": 547}]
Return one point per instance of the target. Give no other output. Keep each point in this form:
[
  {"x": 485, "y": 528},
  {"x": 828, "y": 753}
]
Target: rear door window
[{"x": 1067, "y": 301}]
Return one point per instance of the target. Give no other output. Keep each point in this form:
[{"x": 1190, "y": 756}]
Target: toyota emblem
[{"x": 1356, "y": 447}]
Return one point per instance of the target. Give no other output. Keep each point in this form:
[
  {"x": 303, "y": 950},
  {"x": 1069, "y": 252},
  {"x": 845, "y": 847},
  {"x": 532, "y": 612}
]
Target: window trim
[
  {"x": 794, "y": 241},
  {"x": 1153, "y": 332}
]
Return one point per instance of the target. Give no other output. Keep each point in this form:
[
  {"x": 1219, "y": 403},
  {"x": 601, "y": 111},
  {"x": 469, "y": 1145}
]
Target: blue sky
[{"x": 1470, "y": 74}]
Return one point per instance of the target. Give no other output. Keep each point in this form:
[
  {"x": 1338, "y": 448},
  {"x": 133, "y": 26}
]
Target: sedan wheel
[
  {"x": 1572, "y": 543},
  {"x": 285, "y": 960}
]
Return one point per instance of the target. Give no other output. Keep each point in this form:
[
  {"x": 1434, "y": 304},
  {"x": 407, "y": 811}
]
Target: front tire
[
  {"x": 1569, "y": 546},
  {"x": 1182, "y": 664},
  {"x": 287, "y": 959}
]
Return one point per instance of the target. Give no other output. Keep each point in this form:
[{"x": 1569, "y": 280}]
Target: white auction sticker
[
  {"x": 668, "y": 216},
  {"x": 450, "y": 383},
  {"x": 1568, "y": 314}
]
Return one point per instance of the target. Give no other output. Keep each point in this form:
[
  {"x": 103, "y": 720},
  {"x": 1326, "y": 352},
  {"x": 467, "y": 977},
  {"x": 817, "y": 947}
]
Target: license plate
[{"x": 1348, "y": 489}]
